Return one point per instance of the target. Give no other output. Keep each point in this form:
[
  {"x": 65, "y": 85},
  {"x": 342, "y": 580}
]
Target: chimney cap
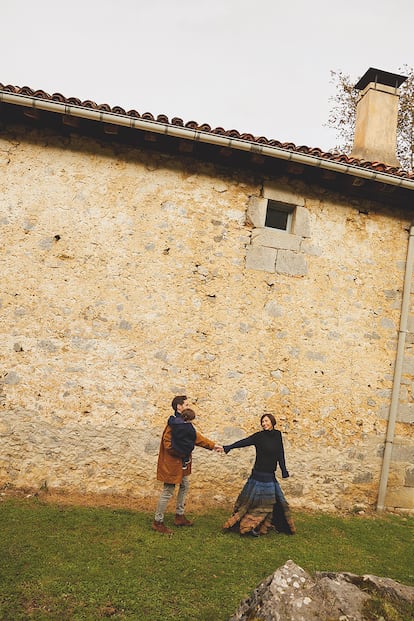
[{"x": 380, "y": 76}]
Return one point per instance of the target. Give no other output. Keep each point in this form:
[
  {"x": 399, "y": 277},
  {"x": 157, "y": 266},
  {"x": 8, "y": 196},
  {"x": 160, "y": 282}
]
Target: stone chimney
[{"x": 375, "y": 136}]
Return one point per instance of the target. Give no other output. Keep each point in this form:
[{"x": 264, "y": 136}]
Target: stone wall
[{"x": 125, "y": 282}]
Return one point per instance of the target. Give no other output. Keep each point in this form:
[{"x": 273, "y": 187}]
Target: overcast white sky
[{"x": 259, "y": 66}]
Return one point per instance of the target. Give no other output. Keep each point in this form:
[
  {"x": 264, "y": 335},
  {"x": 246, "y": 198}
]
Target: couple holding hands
[{"x": 260, "y": 506}]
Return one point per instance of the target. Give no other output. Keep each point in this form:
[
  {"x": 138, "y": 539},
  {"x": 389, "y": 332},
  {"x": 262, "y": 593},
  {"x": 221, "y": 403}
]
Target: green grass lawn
[{"x": 80, "y": 563}]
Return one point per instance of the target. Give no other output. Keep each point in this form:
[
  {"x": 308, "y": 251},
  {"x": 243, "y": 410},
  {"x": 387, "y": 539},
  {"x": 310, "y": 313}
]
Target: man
[{"x": 171, "y": 472}]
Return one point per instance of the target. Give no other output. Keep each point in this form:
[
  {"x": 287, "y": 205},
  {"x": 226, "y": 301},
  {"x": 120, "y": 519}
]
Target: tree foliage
[{"x": 342, "y": 115}]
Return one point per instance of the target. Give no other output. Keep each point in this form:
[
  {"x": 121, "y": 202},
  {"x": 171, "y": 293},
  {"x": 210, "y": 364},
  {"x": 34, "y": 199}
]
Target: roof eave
[{"x": 187, "y": 133}]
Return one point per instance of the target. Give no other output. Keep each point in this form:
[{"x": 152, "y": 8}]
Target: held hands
[{"x": 218, "y": 448}]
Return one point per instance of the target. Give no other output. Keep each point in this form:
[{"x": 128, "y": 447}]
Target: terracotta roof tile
[
  {"x": 248, "y": 137},
  {"x": 204, "y": 127},
  {"x": 177, "y": 121},
  {"x": 118, "y": 110},
  {"x": 162, "y": 118},
  {"x": 136, "y": 115}
]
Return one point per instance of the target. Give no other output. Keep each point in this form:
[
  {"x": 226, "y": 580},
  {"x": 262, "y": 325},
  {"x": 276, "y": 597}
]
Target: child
[{"x": 183, "y": 435}]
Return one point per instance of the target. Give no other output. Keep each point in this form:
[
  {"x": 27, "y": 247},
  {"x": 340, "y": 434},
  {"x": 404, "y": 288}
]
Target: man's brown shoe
[
  {"x": 181, "y": 520},
  {"x": 160, "y": 528}
]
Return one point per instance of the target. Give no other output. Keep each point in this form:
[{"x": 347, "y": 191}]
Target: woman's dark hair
[
  {"x": 179, "y": 400},
  {"x": 270, "y": 417}
]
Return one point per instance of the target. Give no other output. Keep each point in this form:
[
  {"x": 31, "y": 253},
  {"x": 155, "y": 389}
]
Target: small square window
[{"x": 279, "y": 215}]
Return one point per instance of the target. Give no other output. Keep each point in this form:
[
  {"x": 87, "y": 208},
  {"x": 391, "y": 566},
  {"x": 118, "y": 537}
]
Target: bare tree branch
[{"x": 342, "y": 115}]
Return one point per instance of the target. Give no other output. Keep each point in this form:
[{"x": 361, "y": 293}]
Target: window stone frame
[{"x": 277, "y": 250}]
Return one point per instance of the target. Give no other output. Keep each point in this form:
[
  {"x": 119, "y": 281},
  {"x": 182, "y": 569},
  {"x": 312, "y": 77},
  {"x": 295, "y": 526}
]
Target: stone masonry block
[
  {"x": 400, "y": 497},
  {"x": 410, "y": 323},
  {"x": 309, "y": 248},
  {"x": 291, "y": 263},
  {"x": 283, "y": 195},
  {"x": 409, "y": 477},
  {"x": 406, "y": 413},
  {"x": 259, "y": 258},
  {"x": 273, "y": 238},
  {"x": 256, "y": 210},
  {"x": 301, "y": 222},
  {"x": 403, "y": 453},
  {"x": 383, "y": 412},
  {"x": 408, "y": 365}
]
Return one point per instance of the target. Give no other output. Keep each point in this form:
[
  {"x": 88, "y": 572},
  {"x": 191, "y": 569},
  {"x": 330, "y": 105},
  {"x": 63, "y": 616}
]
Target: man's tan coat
[{"x": 169, "y": 467}]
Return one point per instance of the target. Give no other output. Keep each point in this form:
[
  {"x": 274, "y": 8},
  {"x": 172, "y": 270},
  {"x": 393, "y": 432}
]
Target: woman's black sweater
[{"x": 269, "y": 450}]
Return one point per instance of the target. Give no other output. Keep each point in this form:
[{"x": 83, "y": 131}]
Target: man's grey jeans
[{"x": 166, "y": 496}]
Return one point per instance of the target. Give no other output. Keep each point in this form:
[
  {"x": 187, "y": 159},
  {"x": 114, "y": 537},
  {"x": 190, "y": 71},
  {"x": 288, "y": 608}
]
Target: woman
[{"x": 261, "y": 505}]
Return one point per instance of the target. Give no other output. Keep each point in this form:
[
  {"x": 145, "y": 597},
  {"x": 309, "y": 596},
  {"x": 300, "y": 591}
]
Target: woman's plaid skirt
[{"x": 260, "y": 507}]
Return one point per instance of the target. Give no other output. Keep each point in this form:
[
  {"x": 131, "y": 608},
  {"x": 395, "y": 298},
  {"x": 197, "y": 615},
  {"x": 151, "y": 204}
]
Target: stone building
[{"x": 144, "y": 258}]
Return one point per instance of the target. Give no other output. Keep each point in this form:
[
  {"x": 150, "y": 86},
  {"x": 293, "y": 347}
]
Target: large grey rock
[{"x": 291, "y": 594}]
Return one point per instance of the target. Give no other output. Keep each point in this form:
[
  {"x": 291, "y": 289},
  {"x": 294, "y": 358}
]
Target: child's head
[{"x": 188, "y": 414}]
